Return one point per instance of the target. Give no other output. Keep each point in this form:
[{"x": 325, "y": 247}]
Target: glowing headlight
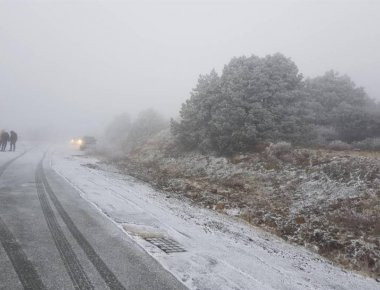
[
  {"x": 72, "y": 141},
  {"x": 79, "y": 142}
]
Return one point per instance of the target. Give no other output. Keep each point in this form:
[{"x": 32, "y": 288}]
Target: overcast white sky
[{"x": 72, "y": 66}]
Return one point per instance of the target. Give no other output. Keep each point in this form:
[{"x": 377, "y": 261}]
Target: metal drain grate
[{"x": 165, "y": 244}]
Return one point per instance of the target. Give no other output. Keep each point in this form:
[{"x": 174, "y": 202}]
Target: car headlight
[{"x": 80, "y": 142}]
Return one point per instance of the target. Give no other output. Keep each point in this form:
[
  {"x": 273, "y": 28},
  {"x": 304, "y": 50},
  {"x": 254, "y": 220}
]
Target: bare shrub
[
  {"x": 370, "y": 144},
  {"x": 338, "y": 145},
  {"x": 280, "y": 148}
]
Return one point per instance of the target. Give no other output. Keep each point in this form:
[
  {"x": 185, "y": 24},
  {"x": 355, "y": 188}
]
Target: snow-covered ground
[
  {"x": 221, "y": 253},
  {"x": 20, "y": 148}
]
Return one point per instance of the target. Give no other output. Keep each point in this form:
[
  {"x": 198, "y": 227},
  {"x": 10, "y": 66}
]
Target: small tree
[
  {"x": 255, "y": 100},
  {"x": 336, "y": 102},
  {"x": 193, "y": 130},
  {"x": 260, "y": 100}
]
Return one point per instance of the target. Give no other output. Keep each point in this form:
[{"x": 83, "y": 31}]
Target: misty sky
[{"x": 71, "y": 66}]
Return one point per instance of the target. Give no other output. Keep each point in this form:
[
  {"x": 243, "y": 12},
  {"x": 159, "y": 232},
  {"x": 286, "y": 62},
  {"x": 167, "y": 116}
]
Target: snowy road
[{"x": 50, "y": 238}]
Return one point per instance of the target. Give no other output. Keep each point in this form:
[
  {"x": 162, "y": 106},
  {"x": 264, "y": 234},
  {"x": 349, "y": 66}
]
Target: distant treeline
[
  {"x": 260, "y": 100},
  {"x": 124, "y": 135}
]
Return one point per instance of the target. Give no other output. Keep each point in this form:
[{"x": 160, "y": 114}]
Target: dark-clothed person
[
  {"x": 13, "y": 140},
  {"x": 4, "y": 140},
  {"x": 1, "y": 138}
]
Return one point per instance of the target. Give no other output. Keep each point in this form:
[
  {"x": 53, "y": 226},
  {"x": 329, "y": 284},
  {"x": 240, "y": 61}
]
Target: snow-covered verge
[
  {"x": 222, "y": 252},
  {"x": 328, "y": 201}
]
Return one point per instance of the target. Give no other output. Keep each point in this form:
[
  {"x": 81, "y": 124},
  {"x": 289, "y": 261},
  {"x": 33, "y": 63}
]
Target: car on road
[
  {"x": 86, "y": 142},
  {"x": 75, "y": 141},
  {"x": 83, "y": 142}
]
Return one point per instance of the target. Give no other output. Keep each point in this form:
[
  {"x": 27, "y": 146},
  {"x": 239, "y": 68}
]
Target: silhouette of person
[
  {"x": 13, "y": 140},
  {"x": 1, "y": 139},
  {"x": 4, "y": 140}
]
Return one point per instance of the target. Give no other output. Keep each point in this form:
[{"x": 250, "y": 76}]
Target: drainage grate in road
[{"x": 165, "y": 244}]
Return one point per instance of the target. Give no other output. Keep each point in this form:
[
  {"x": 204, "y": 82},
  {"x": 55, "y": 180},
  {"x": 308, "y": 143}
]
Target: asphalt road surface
[{"x": 50, "y": 238}]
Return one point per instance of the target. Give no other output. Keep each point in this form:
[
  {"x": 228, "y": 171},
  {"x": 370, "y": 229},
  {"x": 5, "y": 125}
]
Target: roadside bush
[
  {"x": 371, "y": 144},
  {"x": 324, "y": 135},
  {"x": 280, "y": 148},
  {"x": 338, "y": 145}
]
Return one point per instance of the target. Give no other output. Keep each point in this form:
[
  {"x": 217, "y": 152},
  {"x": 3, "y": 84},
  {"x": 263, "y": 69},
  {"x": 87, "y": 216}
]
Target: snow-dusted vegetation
[
  {"x": 296, "y": 157},
  {"x": 261, "y": 100},
  {"x": 325, "y": 200}
]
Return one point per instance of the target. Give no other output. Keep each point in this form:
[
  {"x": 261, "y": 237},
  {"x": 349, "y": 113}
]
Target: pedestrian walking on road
[
  {"x": 1, "y": 138},
  {"x": 13, "y": 140},
  {"x": 4, "y": 140}
]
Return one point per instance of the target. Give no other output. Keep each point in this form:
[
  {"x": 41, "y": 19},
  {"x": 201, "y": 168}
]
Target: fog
[{"x": 67, "y": 68}]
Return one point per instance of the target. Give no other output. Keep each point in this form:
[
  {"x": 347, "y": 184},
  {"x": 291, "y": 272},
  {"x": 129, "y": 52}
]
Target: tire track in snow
[
  {"x": 6, "y": 164},
  {"x": 23, "y": 267},
  {"x": 73, "y": 267},
  {"x": 108, "y": 276}
]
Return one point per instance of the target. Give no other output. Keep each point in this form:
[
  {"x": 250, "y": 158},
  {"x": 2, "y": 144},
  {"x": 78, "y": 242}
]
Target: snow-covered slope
[{"x": 221, "y": 252}]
